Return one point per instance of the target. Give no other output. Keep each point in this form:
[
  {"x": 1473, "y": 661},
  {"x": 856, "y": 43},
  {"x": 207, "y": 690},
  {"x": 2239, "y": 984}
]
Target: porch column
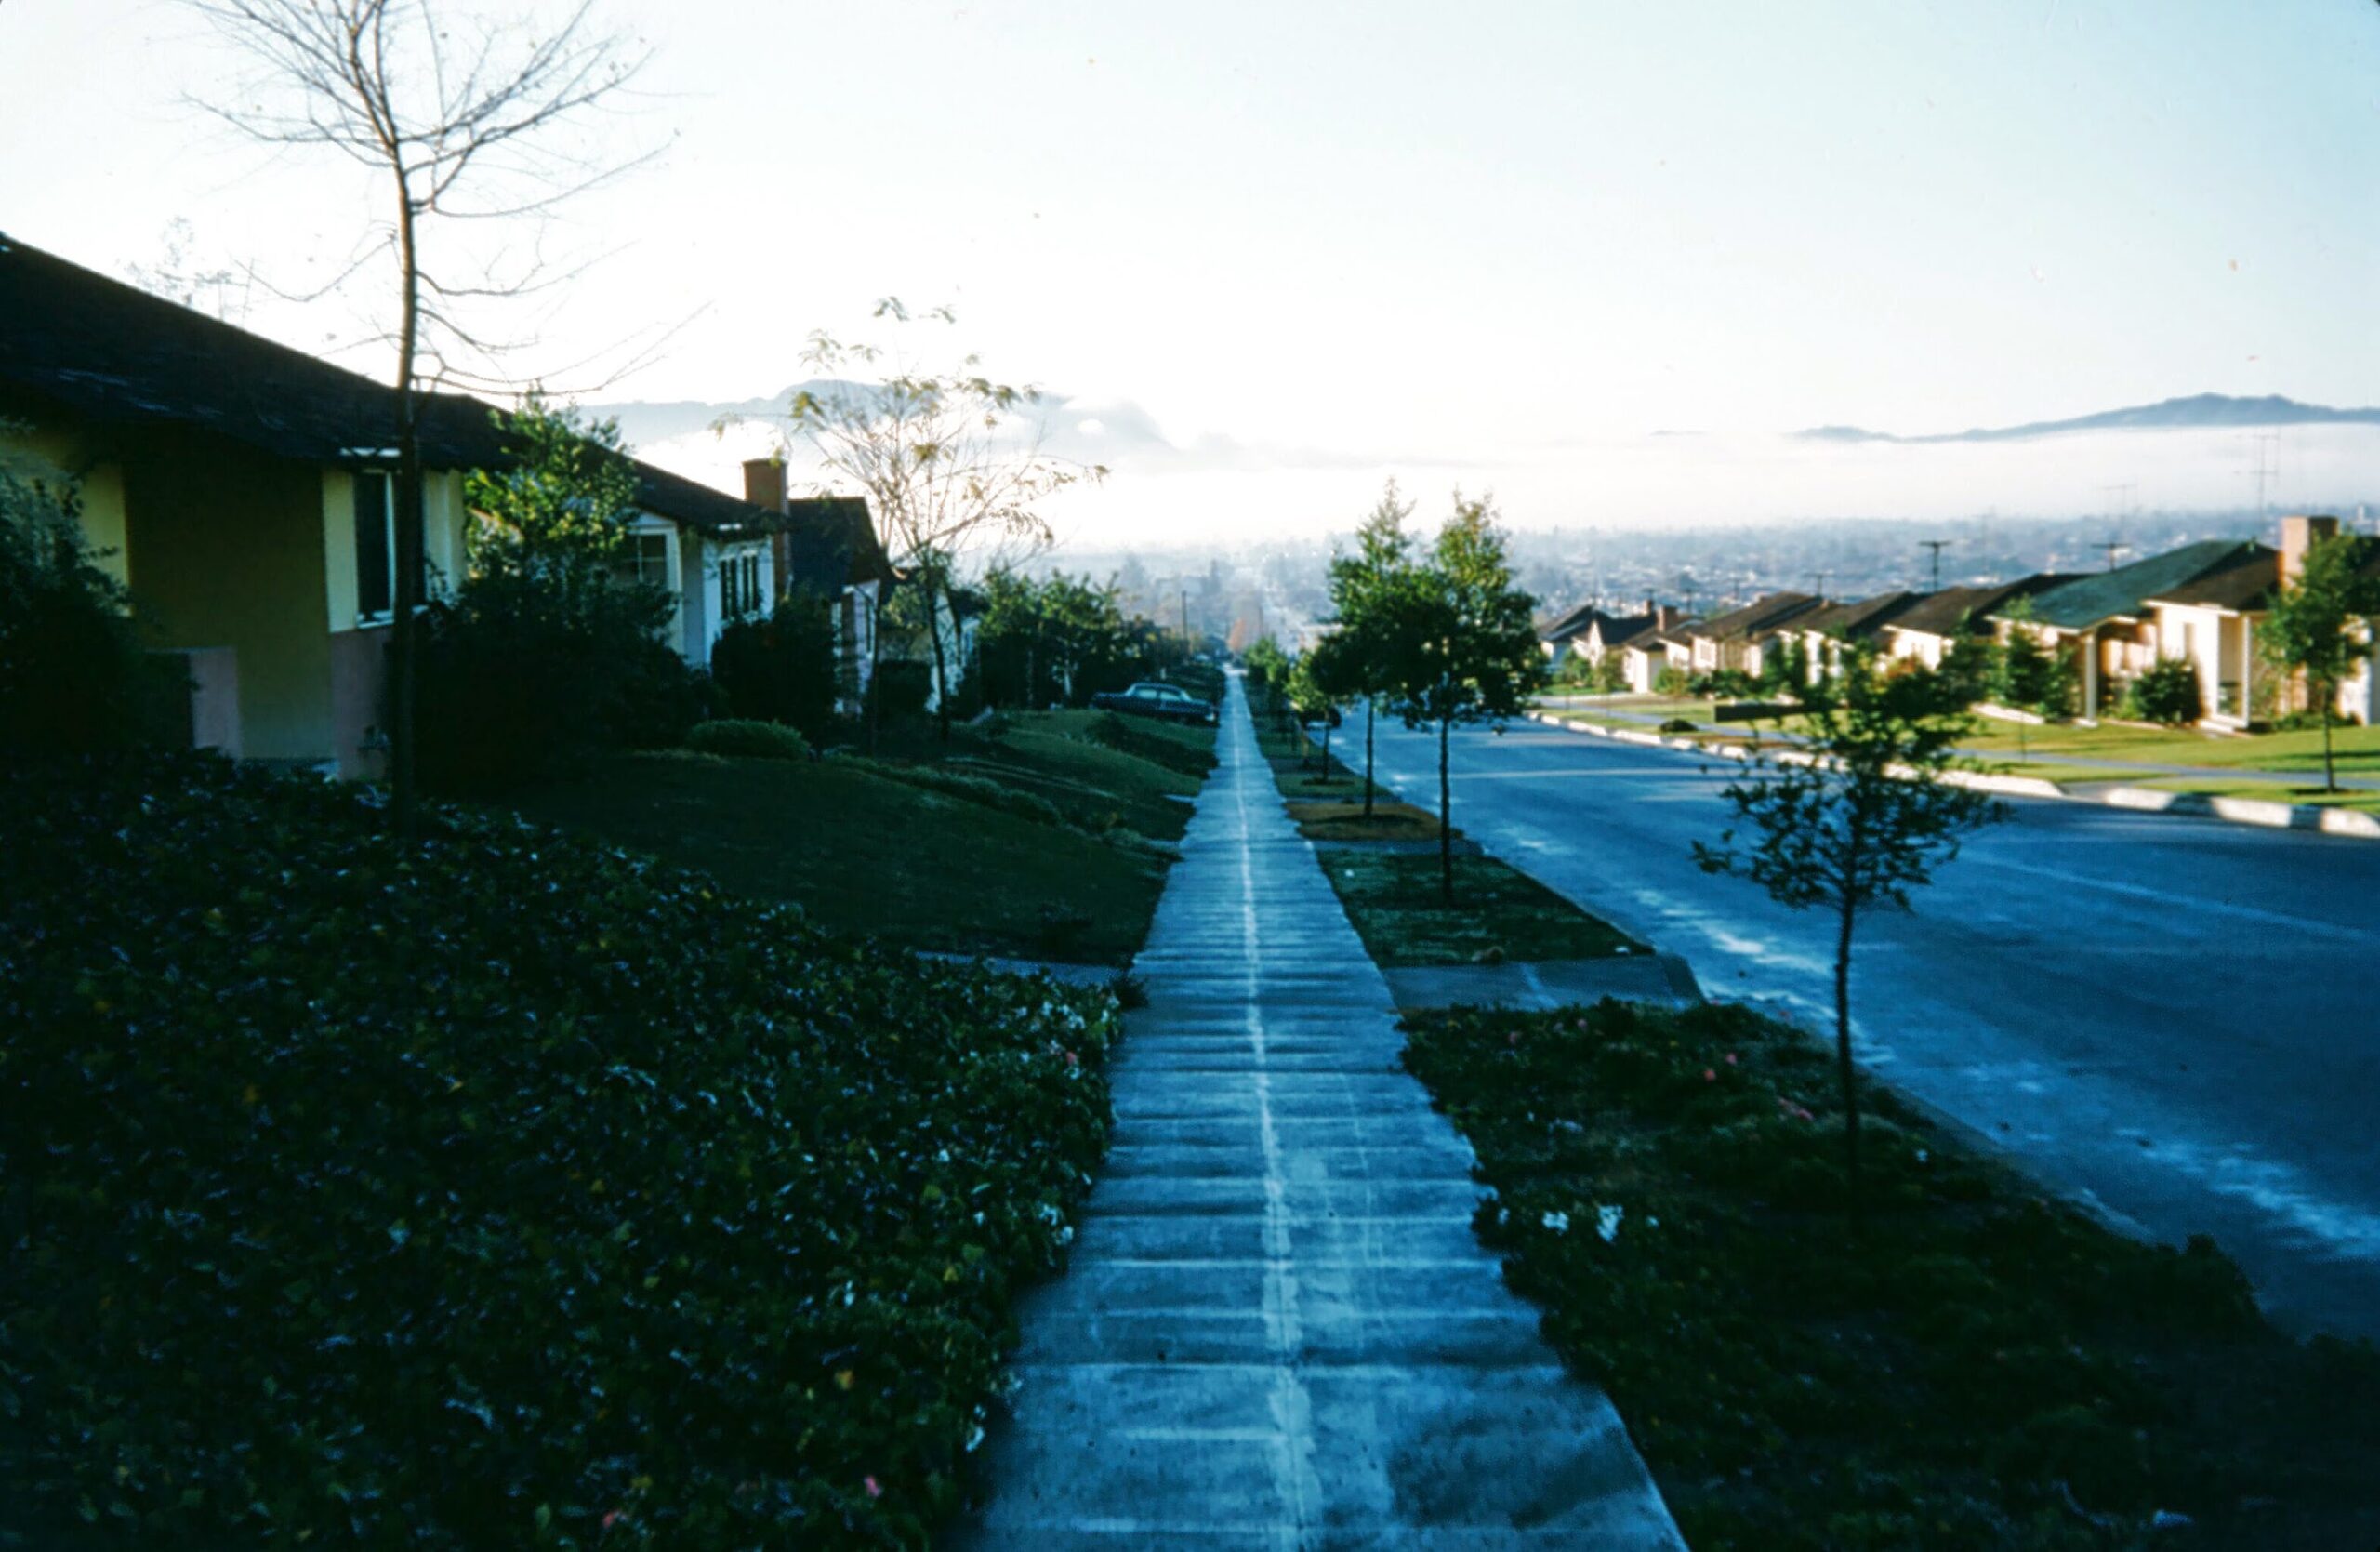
[
  {"x": 2091, "y": 673},
  {"x": 2247, "y": 669}
]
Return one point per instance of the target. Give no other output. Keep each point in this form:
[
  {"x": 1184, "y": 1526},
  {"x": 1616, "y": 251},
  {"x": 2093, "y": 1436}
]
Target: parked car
[{"x": 1167, "y": 702}]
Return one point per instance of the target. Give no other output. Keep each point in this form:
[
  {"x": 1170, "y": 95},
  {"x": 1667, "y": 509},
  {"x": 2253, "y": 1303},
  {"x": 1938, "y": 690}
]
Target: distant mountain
[{"x": 2198, "y": 412}]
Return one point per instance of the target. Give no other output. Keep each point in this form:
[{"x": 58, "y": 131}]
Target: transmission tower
[{"x": 1937, "y": 546}]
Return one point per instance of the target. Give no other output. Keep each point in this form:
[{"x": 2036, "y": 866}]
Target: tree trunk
[
  {"x": 941, "y": 663},
  {"x": 2330, "y": 772},
  {"x": 1326, "y": 744},
  {"x": 404, "y": 632},
  {"x": 1445, "y": 814},
  {"x": 1842, "y": 1050},
  {"x": 872, "y": 693},
  {"x": 1368, "y": 705}
]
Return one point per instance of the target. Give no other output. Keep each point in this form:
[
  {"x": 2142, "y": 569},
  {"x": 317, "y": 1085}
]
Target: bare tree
[
  {"x": 952, "y": 465},
  {"x": 480, "y": 128}
]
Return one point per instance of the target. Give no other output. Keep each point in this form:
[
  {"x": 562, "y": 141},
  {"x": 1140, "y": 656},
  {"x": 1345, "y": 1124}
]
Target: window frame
[{"x": 365, "y": 618}]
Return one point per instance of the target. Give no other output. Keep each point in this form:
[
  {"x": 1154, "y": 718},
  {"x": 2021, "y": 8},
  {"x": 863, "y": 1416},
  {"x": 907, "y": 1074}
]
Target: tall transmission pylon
[{"x": 1937, "y": 546}]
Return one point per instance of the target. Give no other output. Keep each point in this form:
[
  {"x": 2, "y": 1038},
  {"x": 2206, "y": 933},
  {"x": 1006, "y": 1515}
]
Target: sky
[{"x": 1602, "y": 259}]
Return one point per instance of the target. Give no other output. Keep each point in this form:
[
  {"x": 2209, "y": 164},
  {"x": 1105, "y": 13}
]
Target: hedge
[
  {"x": 495, "y": 1191},
  {"x": 739, "y": 736}
]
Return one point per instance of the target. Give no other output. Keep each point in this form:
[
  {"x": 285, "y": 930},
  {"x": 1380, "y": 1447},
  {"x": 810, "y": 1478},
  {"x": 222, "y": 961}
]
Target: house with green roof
[
  {"x": 2107, "y": 623},
  {"x": 2213, "y": 621}
]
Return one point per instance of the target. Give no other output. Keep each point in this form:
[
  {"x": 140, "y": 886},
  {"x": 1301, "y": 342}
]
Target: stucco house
[
  {"x": 2104, "y": 622},
  {"x": 1591, "y": 631},
  {"x": 244, "y": 492},
  {"x": 1643, "y": 658},
  {"x": 1737, "y": 640},
  {"x": 1824, "y": 632},
  {"x": 1931, "y": 627},
  {"x": 2213, "y": 621}
]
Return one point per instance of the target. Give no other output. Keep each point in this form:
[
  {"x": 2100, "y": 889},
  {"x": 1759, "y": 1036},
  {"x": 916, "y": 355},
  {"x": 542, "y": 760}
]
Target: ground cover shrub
[
  {"x": 499, "y": 1190},
  {"x": 1394, "y": 902},
  {"x": 1965, "y": 1365},
  {"x": 1677, "y": 724},
  {"x": 736, "y": 736}
]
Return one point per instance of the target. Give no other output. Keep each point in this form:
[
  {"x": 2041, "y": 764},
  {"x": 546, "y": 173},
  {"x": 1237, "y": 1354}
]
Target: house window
[
  {"x": 375, "y": 547},
  {"x": 739, "y": 586},
  {"x": 645, "y": 562}
]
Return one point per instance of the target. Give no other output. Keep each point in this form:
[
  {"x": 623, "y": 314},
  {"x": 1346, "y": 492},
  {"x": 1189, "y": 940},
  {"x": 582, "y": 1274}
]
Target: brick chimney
[
  {"x": 764, "y": 484},
  {"x": 2297, "y": 536}
]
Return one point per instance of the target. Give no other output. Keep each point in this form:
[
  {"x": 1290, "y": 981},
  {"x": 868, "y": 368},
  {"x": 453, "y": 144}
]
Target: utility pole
[
  {"x": 1936, "y": 545},
  {"x": 1817, "y": 584},
  {"x": 2110, "y": 546}
]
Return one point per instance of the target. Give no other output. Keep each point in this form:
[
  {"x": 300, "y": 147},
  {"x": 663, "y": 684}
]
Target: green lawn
[
  {"x": 1096, "y": 768},
  {"x": 1393, "y": 900},
  {"x": 1965, "y": 1365},
  {"x": 2270, "y": 791},
  {"x": 861, "y": 852},
  {"x": 2358, "y": 748}
]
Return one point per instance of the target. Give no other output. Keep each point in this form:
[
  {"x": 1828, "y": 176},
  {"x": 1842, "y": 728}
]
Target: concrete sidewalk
[{"x": 1278, "y": 1331}]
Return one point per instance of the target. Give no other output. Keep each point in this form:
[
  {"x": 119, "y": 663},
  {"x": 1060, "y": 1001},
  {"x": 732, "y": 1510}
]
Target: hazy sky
[{"x": 1503, "y": 242}]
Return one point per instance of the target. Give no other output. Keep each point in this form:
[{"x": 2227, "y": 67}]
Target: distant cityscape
[{"x": 1281, "y": 590}]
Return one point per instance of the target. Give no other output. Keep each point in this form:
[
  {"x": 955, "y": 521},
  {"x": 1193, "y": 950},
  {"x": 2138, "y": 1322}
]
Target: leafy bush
[
  {"x": 495, "y": 1190},
  {"x": 1965, "y": 1365},
  {"x": 514, "y": 685},
  {"x": 2167, "y": 692},
  {"x": 755, "y": 740},
  {"x": 899, "y": 688},
  {"x": 72, "y": 676},
  {"x": 781, "y": 668},
  {"x": 1672, "y": 680}
]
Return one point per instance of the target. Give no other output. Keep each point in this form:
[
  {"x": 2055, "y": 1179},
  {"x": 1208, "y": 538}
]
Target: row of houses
[
  {"x": 244, "y": 493},
  {"x": 2203, "y": 602}
]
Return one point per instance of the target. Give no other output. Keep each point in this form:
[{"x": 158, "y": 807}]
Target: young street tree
[
  {"x": 951, "y": 464},
  {"x": 1466, "y": 645},
  {"x": 1363, "y": 589},
  {"x": 2308, "y": 629},
  {"x": 481, "y": 128},
  {"x": 1864, "y": 821}
]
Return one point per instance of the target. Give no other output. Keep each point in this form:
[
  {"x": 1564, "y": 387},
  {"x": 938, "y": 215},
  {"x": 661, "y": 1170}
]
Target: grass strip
[
  {"x": 1966, "y": 1364},
  {"x": 1500, "y": 913}
]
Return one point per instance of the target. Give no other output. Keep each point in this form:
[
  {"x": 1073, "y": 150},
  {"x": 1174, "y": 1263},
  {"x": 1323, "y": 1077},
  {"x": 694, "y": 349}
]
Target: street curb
[{"x": 2315, "y": 818}]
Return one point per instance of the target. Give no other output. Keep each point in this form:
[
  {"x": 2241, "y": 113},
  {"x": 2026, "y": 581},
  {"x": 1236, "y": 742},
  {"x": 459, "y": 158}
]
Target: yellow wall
[
  {"x": 226, "y": 549},
  {"x": 46, "y": 448}
]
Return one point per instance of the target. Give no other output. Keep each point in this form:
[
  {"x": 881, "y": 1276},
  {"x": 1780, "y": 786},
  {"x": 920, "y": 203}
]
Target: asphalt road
[{"x": 2177, "y": 1019}]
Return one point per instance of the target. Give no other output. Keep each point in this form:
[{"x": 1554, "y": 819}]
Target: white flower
[
  {"x": 1607, "y": 1223},
  {"x": 1558, "y": 1222}
]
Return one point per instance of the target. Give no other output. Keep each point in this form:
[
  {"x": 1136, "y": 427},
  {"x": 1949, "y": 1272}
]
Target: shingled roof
[
  {"x": 1762, "y": 615},
  {"x": 1965, "y": 611},
  {"x": 112, "y": 353},
  {"x": 1856, "y": 621},
  {"x": 2124, "y": 592}
]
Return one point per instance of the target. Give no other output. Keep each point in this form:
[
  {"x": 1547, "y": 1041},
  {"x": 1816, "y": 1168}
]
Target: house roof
[
  {"x": 2245, "y": 582},
  {"x": 114, "y": 354},
  {"x": 1762, "y": 615},
  {"x": 1956, "y": 611},
  {"x": 830, "y": 541},
  {"x": 2124, "y": 592},
  {"x": 1856, "y": 621},
  {"x": 1621, "y": 630},
  {"x": 1562, "y": 627}
]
